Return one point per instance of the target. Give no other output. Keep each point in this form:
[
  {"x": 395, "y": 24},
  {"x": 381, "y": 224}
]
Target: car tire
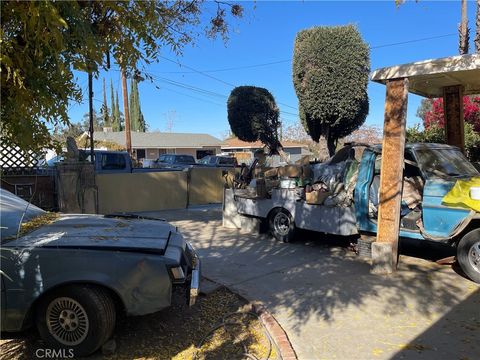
[
  {"x": 78, "y": 318},
  {"x": 281, "y": 225},
  {"x": 468, "y": 254}
]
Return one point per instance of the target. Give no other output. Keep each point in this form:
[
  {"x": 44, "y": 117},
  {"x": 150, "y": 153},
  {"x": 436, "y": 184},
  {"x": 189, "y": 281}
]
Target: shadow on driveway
[{"x": 324, "y": 295}]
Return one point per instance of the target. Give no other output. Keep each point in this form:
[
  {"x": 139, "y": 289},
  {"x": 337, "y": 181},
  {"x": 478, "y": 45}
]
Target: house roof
[
  {"x": 236, "y": 143},
  {"x": 160, "y": 139},
  {"x": 428, "y": 78}
]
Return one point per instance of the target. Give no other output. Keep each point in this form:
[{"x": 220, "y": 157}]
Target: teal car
[{"x": 435, "y": 169}]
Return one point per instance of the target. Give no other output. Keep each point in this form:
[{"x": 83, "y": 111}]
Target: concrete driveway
[{"x": 327, "y": 301}]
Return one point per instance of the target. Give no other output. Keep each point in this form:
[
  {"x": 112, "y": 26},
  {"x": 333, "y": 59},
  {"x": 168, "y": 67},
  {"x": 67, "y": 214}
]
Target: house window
[
  {"x": 140, "y": 153},
  {"x": 202, "y": 153},
  {"x": 152, "y": 154}
]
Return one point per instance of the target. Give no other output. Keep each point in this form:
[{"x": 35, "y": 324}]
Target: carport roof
[{"x": 428, "y": 78}]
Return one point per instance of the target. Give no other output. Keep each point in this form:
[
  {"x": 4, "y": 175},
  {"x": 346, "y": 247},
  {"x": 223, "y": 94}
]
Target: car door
[{"x": 440, "y": 220}]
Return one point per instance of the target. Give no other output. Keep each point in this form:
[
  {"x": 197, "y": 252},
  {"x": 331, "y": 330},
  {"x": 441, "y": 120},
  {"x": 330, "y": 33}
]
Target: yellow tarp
[{"x": 460, "y": 194}]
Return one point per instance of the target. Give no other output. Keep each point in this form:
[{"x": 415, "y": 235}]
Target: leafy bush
[
  {"x": 330, "y": 76},
  {"x": 436, "y": 134},
  {"x": 253, "y": 115}
]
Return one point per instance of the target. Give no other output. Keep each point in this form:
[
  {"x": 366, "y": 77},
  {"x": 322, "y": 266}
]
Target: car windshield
[
  {"x": 14, "y": 211},
  {"x": 204, "y": 160},
  {"x": 445, "y": 163}
]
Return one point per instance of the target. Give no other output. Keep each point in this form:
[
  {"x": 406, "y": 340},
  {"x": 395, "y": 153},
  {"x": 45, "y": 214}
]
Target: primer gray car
[{"x": 72, "y": 277}]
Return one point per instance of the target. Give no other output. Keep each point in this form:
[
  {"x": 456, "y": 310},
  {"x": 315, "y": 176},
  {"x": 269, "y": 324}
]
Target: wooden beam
[
  {"x": 454, "y": 121},
  {"x": 391, "y": 176}
]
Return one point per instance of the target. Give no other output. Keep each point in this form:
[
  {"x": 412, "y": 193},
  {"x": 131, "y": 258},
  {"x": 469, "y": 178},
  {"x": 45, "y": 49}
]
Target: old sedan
[{"x": 72, "y": 274}]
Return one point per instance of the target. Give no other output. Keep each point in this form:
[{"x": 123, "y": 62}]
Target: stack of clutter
[
  {"x": 295, "y": 176},
  {"x": 317, "y": 184}
]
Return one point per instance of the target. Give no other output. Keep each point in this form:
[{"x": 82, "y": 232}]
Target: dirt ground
[{"x": 174, "y": 333}]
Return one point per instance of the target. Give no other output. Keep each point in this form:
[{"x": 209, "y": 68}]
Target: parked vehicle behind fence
[
  {"x": 173, "y": 161},
  {"x": 218, "y": 161}
]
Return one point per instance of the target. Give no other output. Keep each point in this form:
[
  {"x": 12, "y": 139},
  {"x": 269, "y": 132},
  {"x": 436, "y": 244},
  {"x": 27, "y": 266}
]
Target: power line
[
  {"x": 290, "y": 60},
  {"x": 412, "y": 41},
  {"x": 204, "y": 73},
  {"x": 230, "y": 69},
  {"x": 198, "y": 71},
  {"x": 215, "y": 78},
  {"x": 191, "y": 96},
  {"x": 195, "y": 89}
]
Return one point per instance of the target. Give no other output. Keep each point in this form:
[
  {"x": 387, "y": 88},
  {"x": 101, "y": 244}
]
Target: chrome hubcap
[
  {"x": 281, "y": 223},
  {"x": 474, "y": 256},
  {"x": 67, "y": 321}
]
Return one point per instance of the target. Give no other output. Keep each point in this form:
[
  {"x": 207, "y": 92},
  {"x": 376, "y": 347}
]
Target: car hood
[{"x": 99, "y": 232}]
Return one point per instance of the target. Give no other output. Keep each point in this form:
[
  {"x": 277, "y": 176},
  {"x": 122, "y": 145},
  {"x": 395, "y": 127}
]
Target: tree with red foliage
[{"x": 471, "y": 113}]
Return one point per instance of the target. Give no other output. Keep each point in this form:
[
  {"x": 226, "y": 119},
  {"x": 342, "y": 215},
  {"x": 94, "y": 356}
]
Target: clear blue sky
[{"x": 266, "y": 35}]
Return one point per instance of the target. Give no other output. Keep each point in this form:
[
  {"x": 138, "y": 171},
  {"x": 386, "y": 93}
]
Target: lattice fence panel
[{"x": 14, "y": 157}]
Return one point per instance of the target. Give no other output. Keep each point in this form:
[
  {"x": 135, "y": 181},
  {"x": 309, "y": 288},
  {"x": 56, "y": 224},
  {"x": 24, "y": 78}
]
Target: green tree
[
  {"x": 97, "y": 121},
  {"x": 44, "y": 41},
  {"x": 104, "y": 112},
  {"x": 330, "y": 76},
  {"x": 436, "y": 134},
  {"x": 137, "y": 121},
  {"x": 73, "y": 129},
  {"x": 424, "y": 107},
  {"x": 115, "y": 119},
  {"x": 253, "y": 115},
  {"x": 118, "y": 115}
]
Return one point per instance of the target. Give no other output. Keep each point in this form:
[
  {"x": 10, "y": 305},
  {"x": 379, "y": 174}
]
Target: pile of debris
[{"x": 330, "y": 183}]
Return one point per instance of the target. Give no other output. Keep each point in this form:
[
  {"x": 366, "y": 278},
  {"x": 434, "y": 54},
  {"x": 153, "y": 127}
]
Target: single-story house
[
  {"x": 150, "y": 145},
  {"x": 244, "y": 151}
]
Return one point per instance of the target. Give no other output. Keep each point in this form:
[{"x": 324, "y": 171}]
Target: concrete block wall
[
  {"x": 142, "y": 191},
  {"x": 159, "y": 190}
]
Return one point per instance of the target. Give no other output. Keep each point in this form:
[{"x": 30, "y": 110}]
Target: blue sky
[{"x": 266, "y": 35}]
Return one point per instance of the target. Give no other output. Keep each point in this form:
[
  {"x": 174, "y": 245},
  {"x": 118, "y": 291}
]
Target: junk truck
[{"x": 440, "y": 198}]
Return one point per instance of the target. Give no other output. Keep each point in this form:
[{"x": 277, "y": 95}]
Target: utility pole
[
  {"x": 90, "y": 112},
  {"x": 477, "y": 29},
  {"x": 128, "y": 135},
  {"x": 463, "y": 30}
]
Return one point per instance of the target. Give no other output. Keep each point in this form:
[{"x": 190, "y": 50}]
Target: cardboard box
[
  {"x": 271, "y": 173},
  {"x": 316, "y": 197},
  {"x": 291, "y": 171}
]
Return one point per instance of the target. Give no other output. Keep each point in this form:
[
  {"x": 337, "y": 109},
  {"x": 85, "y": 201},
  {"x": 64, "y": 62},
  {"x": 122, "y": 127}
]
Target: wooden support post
[
  {"x": 385, "y": 249},
  {"x": 453, "y": 110}
]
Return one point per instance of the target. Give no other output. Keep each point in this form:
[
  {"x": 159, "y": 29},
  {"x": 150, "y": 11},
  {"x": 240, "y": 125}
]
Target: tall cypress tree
[
  {"x": 115, "y": 119},
  {"x": 104, "y": 109},
  {"x": 137, "y": 121},
  {"x": 141, "y": 119},
  {"x": 118, "y": 114},
  {"x": 134, "y": 120}
]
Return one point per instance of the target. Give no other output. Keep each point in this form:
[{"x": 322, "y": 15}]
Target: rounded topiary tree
[
  {"x": 330, "y": 75},
  {"x": 253, "y": 115}
]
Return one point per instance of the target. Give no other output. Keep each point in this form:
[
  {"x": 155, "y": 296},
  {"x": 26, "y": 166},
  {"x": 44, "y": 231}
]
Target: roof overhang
[{"x": 428, "y": 78}]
